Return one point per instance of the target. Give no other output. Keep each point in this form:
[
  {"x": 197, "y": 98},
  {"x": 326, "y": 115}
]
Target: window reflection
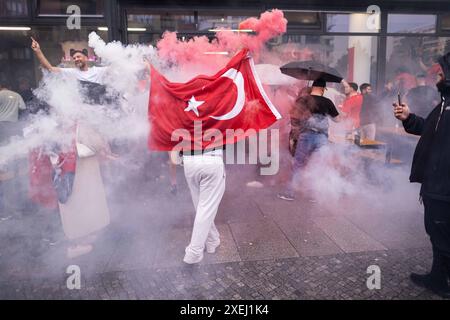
[
  {"x": 353, "y": 56},
  {"x": 352, "y": 22},
  {"x": 13, "y": 8},
  {"x": 411, "y": 23},
  {"x": 406, "y": 57},
  {"x": 208, "y": 20},
  {"x": 445, "y": 22},
  {"x": 143, "y": 38},
  {"x": 303, "y": 20},
  {"x": 162, "y": 21}
]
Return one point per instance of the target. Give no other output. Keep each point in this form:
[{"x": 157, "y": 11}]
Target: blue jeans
[{"x": 307, "y": 144}]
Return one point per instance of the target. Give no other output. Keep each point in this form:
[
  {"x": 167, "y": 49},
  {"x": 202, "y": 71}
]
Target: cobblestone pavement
[
  {"x": 270, "y": 249},
  {"x": 341, "y": 276}
]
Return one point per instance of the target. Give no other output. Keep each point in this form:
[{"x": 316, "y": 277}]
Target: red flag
[
  {"x": 232, "y": 99},
  {"x": 41, "y": 189}
]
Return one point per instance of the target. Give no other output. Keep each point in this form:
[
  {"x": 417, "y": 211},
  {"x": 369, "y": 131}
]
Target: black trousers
[{"x": 437, "y": 226}]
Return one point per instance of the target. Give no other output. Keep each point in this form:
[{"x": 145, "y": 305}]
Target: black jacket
[{"x": 431, "y": 161}]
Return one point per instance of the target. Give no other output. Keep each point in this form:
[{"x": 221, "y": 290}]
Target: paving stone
[
  {"x": 263, "y": 254},
  {"x": 261, "y": 240},
  {"x": 346, "y": 235}
]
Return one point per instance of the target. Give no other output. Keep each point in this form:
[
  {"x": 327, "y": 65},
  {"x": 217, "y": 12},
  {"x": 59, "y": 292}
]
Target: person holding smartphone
[{"x": 431, "y": 168}]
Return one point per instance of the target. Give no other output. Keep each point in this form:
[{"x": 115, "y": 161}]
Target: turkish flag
[{"x": 204, "y": 111}]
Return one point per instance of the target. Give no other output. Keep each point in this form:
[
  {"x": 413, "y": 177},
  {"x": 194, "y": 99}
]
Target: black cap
[
  {"x": 73, "y": 51},
  {"x": 319, "y": 83}
]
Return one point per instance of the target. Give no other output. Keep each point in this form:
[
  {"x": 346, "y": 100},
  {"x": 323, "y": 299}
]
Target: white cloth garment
[
  {"x": 93, "y": 74},
  {"x": 205, "y": 175},
  {"x": 86, "y": 211}
]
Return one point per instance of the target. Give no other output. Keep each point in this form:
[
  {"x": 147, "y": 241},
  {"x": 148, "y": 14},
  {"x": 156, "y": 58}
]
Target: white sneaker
[
  {"x": 286, "y": 196},
  {"x": 79, "y": 250},
  {"x": 190, "y": 258},
  {"x": 255, "y": 184},
  {"x": 211, "y": 247}
]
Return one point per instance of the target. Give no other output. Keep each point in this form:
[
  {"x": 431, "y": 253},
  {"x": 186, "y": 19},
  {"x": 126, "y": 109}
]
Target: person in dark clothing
[
  {"x": 420, "y": 98},
  {"x": 369, "y": 116},
  {"x": 25, "y": 89},
  {"x": 309, "y": 121},
  {"x": 431, "y": 168}
]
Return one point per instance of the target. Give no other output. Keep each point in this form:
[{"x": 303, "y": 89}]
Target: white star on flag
[{"x": 193, "y": 105}]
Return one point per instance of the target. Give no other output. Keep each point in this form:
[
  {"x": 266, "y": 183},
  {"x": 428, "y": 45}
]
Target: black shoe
[
  {"x": 442, "y": 292},
  {"x": 420, "y": 280},
  {"x": 424, "y": 281}
]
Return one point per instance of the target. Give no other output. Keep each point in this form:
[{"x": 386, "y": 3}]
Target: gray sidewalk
[{"x": 271, "y": 249}]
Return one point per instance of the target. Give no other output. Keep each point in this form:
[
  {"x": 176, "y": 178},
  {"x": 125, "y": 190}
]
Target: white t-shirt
[
  {"x": 93, "y": 74},
  {"x": 10, "y": 104}
]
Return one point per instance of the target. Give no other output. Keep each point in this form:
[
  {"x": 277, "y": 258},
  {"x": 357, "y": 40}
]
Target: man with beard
[
  {"x": 369, "y": 116},
  {"x": 82, "y": 72},
  {"x": 352, "y": 104},
  {"x": 431, "y": 168}
]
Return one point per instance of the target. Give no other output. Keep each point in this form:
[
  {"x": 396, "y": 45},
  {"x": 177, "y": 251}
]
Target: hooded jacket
[{"x": 431, "y": 161}]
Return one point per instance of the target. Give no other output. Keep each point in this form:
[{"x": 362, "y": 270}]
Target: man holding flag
[{"x": 196, "y": 118}]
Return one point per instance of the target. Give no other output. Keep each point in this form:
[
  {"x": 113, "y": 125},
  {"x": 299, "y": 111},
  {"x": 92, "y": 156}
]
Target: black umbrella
[{"x": 311, "y": 70}]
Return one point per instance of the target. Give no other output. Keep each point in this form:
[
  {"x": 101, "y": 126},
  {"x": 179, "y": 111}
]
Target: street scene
[
  {"x": 181, "y": 151},
  {"x": 270, "y": 250}
]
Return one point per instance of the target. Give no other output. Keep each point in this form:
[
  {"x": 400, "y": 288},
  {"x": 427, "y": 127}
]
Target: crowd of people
[{"x": 81, "y": 198}]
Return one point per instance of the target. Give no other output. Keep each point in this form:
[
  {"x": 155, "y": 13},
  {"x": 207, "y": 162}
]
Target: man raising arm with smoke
[
  {"x": 81, "y": 72},
  {"x": 83, "y": 206},
  {"x": 41, "y": 57}
]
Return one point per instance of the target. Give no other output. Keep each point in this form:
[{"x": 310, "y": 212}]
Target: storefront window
[
  {"x": 445, "y": 22},
  {"x": 59, "y": 7},
  {"x": 303, "y": 20},
  {"x": 354, "y": 57},
  {"x": 208, "y": 20},
  {"x": 18, "y": 61},
  {"x": 143, "y": 38},
  {"x": 353, "y": 22},
  {"x": 13, "y": 8},
  {"x": 162, "y": 21},
  {"x": 411, "y": 23},
  {"x": 406, "y": 57}
]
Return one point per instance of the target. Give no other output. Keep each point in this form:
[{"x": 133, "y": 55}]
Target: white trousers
[{"x": 205, "y": 176}]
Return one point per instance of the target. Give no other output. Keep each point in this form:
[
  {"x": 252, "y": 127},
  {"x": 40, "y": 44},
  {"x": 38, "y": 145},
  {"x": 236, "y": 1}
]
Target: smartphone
[{"x": 399, "y": 99}]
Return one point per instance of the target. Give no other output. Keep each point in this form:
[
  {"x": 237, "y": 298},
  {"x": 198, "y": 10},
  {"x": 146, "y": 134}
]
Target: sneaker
[
  {"x": 211, "y": 247},
  {"x": 173, "y": 189},
  {"x": 286, "y": 196},
  {"x": 255, "y": 184},
  {"x": 76, "y": 251},
  {"x": 5, "y": 218},
  {"x": 190, "y": 258}
]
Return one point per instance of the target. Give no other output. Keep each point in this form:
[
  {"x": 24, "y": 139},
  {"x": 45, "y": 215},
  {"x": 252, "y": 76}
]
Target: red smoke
[
  {"x": 270, "y": 25},
  {"x": 175, "y": 51}
]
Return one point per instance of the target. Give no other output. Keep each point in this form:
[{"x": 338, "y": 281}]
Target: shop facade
[{"x": 366, "y": 41}]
